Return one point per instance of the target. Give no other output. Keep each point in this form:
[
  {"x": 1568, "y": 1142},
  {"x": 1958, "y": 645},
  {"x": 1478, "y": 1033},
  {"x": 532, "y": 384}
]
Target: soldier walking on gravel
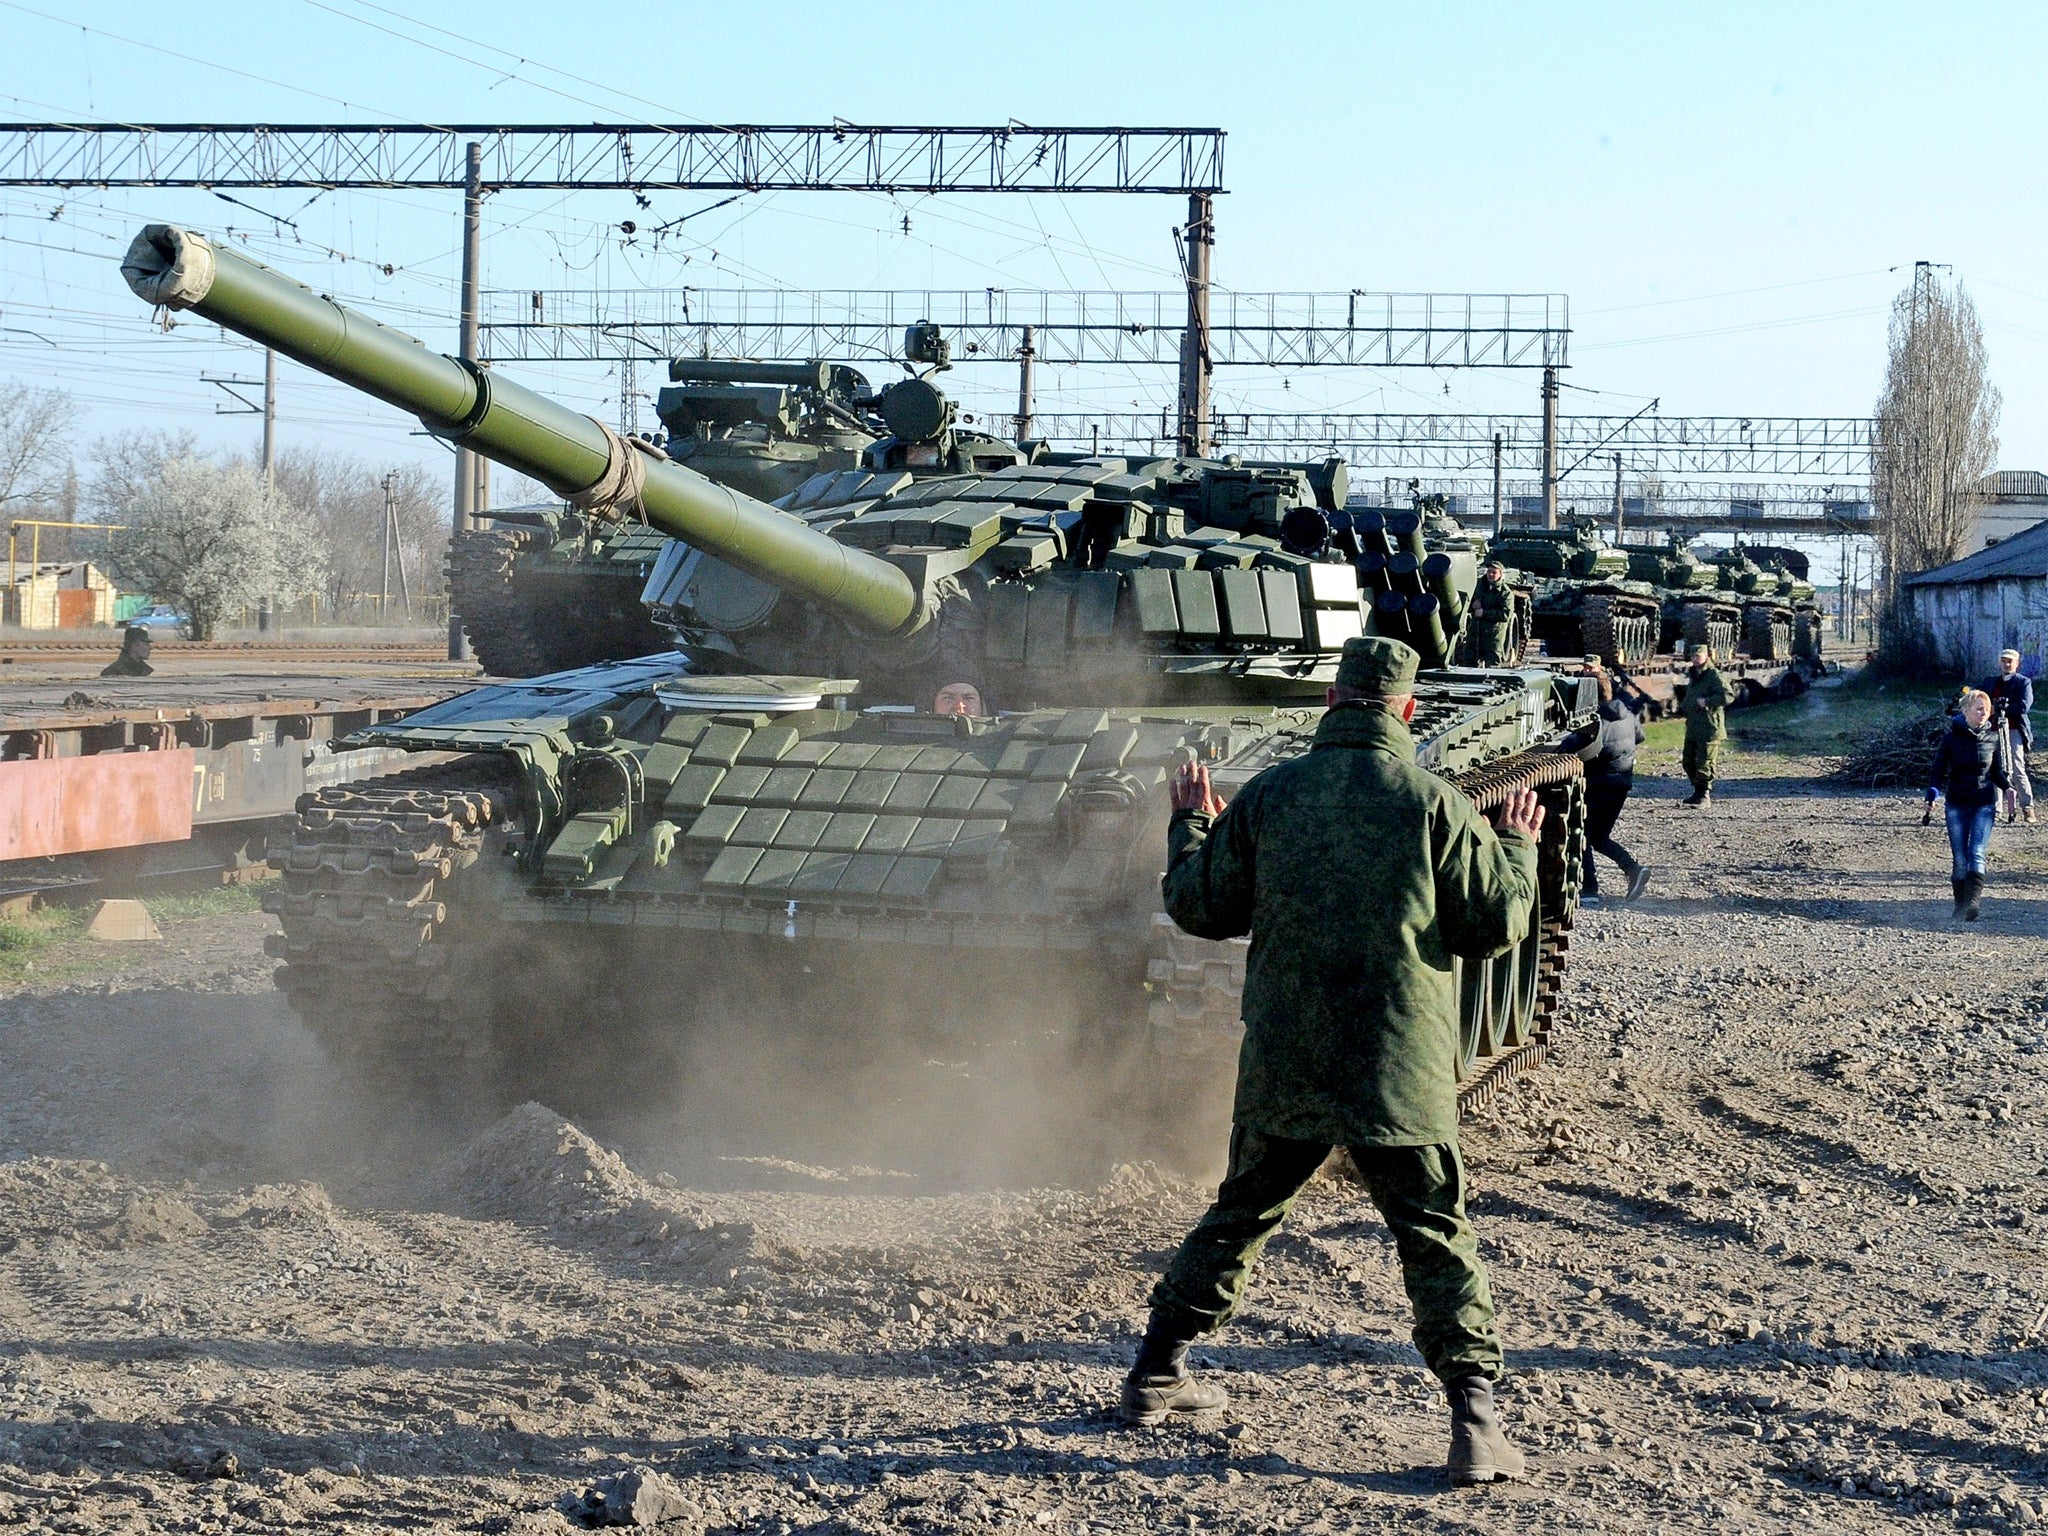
[
  {"x": 1358, "y": 876},
  {"x": 1706, "y": 724},
  {"x": 2012, "y": 704}
]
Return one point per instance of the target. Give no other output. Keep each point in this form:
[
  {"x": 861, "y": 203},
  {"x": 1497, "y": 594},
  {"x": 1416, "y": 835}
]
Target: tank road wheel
[
  {"x": 1477, "y": 1036},
  {"x": 1620, "y": 630},
  {"x": 1712, "y": 625},
  {"x": 398, "y": 986},
  {"x": 501, "y": 628}
]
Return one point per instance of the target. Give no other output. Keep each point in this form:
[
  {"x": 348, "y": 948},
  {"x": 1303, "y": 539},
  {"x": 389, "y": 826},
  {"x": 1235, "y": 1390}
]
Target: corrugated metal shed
[{"x": 2024, "y": 554}]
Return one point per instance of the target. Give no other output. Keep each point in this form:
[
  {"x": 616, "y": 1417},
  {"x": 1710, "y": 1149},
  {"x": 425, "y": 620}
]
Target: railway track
[{"x": 106, "y": 649}]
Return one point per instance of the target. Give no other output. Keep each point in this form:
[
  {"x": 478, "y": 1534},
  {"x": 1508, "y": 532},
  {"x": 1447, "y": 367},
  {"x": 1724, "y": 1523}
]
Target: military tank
[
  {"x": 1790, "y": 571},
  {"x": 544, "y": 588},
  {"x": 1772, "y": 599},
  {"x": 1692, "y": 612},
  {"x": 581, "y": 857},
  {"x": 1582, "y": 600}
]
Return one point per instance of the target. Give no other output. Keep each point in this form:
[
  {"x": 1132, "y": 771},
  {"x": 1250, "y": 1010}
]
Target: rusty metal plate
[{"x": 111, "y": 800}]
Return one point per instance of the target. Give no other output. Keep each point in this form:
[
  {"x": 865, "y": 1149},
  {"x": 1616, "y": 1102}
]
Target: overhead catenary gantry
[
  {"x": 482, "y": 158},
  {"x": 1832, "y": 447},
  {"x": 1346, "y": 329}
]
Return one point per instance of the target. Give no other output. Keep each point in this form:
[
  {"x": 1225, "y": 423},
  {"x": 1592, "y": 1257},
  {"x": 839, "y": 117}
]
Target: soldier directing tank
[
  {"x": 1360, "y": 877},
  {"x": 779, "y": 799}
]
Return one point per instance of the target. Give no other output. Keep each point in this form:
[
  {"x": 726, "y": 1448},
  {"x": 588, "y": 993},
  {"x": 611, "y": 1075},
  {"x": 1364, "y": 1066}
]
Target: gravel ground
[{"x": 1766, "y": 1236}]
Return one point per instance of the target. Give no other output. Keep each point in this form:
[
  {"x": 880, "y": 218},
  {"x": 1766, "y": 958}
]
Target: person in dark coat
[
  {"x": 134, "y": 658},
  {"x": 2012, "y": 705},
  {"x": 1969, "y": 772},
  {"x": 1359, "y": 876},
  {"x": 1607, "y": 746}
]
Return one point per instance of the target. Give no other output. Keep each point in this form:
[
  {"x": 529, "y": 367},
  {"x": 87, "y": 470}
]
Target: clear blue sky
[{"x": 1729, "y": 194}]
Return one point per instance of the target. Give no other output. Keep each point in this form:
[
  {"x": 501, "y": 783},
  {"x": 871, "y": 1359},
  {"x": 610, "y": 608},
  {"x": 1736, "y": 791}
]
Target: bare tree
[
  {"x": 1936, "y": 437},
  {"x": 343, "y": 496},
  {"x": 35, "y": 428}
]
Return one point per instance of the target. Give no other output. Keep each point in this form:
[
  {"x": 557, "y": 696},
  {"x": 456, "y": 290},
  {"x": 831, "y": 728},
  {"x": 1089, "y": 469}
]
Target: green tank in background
[
  {"x": 542, "y": 588},
  {"x": 1582, "y": 599},
  {"x": 1786, "y": 586},
  {"x": 545, "y": 588},
  {"x": 586, "y": 863},
  {"x": 1781, "y": 618},
  {"x": 1691, "y": 612}
]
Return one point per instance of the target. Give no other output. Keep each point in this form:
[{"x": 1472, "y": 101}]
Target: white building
[{"x": 1981, "y": 604}]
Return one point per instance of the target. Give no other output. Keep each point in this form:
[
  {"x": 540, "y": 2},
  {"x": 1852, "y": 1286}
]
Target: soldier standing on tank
[
  {"x": 2012, "y": 703},
  {"x": 1359, "y": 876},
  {"x": 1706, "y": 724},
  {"x": 1493, "y": 616},
  {"x": 134, "y": 658}
]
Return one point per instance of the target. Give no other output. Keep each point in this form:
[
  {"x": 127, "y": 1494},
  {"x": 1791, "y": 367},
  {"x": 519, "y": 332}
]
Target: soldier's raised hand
[
  {"x": 1192, "y": 790},
  {"x": 1522, "y": 812}
]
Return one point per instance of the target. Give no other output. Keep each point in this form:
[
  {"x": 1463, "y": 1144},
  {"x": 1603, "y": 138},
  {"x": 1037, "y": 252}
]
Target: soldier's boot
[
  {"x": 1973, "y": 890},
  {"x": 1160, "y": 1384},
  {"x": 1480, "y": 1451}
]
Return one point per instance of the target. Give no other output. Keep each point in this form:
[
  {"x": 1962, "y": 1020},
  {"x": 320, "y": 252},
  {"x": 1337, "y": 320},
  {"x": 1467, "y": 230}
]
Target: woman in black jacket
[
  {"x": 1969, "y": 772},
  {"x": 1607, "y": 746}
]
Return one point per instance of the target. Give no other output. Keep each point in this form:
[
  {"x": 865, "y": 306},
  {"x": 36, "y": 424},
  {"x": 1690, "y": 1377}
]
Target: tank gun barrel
[{"x": 573, "y": 454}]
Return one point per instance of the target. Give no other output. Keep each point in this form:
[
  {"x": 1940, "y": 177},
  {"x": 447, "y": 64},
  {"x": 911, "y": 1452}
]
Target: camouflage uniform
[
  {"x": 1493, "y": 623},
  {"x": 1350, "y": 1026},
  {"x": 1706, "y": 726},
  {"x": 127, "y": 664}
]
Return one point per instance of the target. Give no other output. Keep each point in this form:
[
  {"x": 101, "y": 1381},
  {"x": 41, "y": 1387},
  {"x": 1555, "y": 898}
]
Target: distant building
[
  {"x": 1981, "y": 604},
  {"x": 67, "y": 594},
  {"x": 2013, "y": 501}
]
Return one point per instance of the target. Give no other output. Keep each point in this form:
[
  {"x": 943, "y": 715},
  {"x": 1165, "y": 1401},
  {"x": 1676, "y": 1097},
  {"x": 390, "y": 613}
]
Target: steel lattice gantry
[
  {"x": 1279, "y": 330},
  {"x": 739, "y": 158},
  {"x": 1835, "y": 447}
]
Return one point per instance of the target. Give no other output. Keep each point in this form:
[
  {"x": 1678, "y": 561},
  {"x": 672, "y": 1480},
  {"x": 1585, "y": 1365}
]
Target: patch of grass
[
  {"x": 212, "y": 902},
  {"x": 28, "y": 936}
]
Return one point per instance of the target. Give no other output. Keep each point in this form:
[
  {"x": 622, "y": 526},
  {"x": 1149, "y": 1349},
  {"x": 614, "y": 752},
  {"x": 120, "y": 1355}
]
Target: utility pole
[
  {"x": 1199, "y": 244},
  {"x": 1025, "y": 354},
  {"x": 1550, "y": 447},
  {"x": 472, "y": 264},
  {"x": 384, "y": 585},
  {"x": 1497, "y": 529},
  {"x": 267, "y": 609},
  {"x": 1617, "y": 501}
]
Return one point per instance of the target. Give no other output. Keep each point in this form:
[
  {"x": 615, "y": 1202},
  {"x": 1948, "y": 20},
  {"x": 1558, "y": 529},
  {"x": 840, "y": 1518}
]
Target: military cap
[{"x": 1377, "y": 667}]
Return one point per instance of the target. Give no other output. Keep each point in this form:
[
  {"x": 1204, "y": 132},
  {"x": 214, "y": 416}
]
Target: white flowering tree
[{"x": 214, "y": 539}]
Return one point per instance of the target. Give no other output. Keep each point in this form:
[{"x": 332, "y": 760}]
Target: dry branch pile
[{"x": 1895, "y": 757}]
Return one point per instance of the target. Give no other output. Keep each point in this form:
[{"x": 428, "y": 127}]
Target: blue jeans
[{"x": 1969, "y": 837}]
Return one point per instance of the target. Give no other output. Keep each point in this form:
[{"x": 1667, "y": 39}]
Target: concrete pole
[
  {"x": 1194, "y": 341},
  {"x": 472, "y": 264},
  {"x": 1497, "y": 528},
  {"x": 1025, "y": 355},
  {"x": 1617, "y": 501},
  {"x": 265, "y": 610},
  {"x": 384, "y": 586},
  {"x": 1550, "y": 447}
]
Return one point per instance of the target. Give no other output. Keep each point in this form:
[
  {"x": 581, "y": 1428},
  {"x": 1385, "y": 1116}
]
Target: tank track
[
  {"x": 1808, "y": 633},
  {"x": 386, "y": 981},
  {"x": 500, "y": 627},
  {"x": 1621, "y": 631},
  {"x": 1766, "y": 633},
  {"x": 1197, "y": 985},
  {"x": 1713, "y": 625}
]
